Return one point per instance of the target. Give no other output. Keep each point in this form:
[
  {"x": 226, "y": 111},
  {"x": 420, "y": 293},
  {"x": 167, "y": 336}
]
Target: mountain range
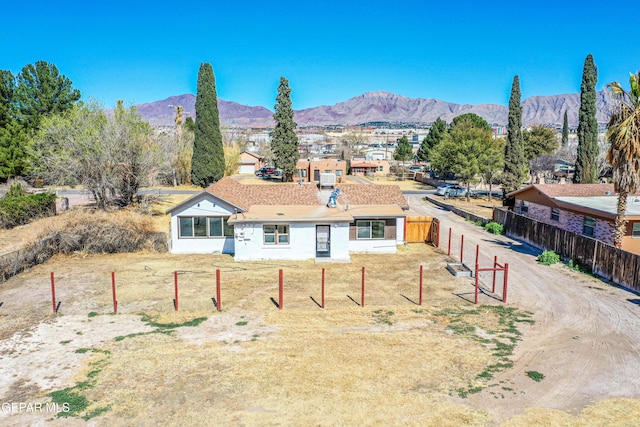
[{"x": 384, "y": 107}]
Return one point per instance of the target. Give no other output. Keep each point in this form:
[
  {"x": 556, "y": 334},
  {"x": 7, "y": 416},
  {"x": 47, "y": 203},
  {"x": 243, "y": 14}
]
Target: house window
[
  {"x": 303, "y": 172},
  {"x": 276, "y": 234},
  {"x": 370, "y": 229},
  {"x": 380, "y": 168},
  {"x": 588, "y": 226},
  {"x": 635, "y": 233},
  {"x": 555, "y": 214},
  {"x": 524, "y": 206},
  {"x": 338, "y": 172},
  {"x": 202, "y": 226}
]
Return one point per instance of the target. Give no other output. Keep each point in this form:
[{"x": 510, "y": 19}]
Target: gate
[{"x": 419, "y": 229}]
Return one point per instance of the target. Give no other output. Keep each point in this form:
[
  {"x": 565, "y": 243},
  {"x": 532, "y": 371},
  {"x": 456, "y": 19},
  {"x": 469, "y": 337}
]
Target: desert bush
[
  {"x": 102, "y": 232},
  {"x": 18, "y": 209},
  {"x": 16, "y": 190},
  {"x": 494, "y": 228},
  {"x": 548, "y": 258}
]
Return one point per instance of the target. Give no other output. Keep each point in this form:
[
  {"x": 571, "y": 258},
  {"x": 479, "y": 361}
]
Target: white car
[{"x": 451, "y": 190}]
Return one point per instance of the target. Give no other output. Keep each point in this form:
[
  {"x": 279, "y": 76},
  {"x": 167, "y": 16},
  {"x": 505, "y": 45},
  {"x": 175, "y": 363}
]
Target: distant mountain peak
[{"x": 383, "y": 106}]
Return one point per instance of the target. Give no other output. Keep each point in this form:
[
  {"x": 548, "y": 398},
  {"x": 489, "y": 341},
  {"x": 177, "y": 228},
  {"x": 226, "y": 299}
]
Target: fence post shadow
[
  {"x": 356, "y": 302},
  {"x": 316, "y": 302}
]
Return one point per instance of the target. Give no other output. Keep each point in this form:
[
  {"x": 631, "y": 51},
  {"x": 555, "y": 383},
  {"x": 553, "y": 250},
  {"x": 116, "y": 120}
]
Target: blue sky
[{"x": 462, "y": 52}]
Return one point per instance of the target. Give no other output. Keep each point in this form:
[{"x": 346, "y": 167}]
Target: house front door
[{"x": 323, "y": 241}]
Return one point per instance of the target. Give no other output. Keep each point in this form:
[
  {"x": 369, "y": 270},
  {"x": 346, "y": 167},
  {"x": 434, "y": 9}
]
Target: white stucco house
[{"x": 289, "y": 222}]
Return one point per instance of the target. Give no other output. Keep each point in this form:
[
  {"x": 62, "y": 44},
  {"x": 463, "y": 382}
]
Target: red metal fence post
[
  {"x": 506, "y": 281},
  {"x": 477, "y": 285},
  {"x": 53, "y": 294},
  {"x": 420, "y": 298},
  {"x": 113, "y": 291},
  {"x": 280, "y": 296},
  {"x": 323, "y": 288},
  {"x": 495, "y": 263},
  {"x": 449, "y": 245},
  {"x": 175, "y": 285},
  {"x": 461, "y": 247},
  {"x": 218, "y": 301},
  {"x": 362, "y": 296}
]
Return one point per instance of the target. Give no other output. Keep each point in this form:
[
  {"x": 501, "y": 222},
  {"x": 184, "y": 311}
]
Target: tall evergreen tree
[
  {"x": 435, "y": 135},
  {"x": 207, "y": 163},
  {"x": 404, "y": 150},
  {"x": 514, "y": 158},
  {"x": 42, "y": 91},
  {"x": 587, "y": 158},
  {"x": 565, "y": 130},
  {"x": 478, "y": 122},
  {"x": 284, "y": 141}
]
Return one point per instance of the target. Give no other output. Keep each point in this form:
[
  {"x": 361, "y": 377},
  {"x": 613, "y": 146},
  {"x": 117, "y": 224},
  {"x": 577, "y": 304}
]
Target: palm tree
[{"x": 623, "y": 132}]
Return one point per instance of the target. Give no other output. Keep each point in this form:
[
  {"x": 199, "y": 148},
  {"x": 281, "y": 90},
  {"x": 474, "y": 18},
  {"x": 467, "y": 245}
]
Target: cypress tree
[
  {"x": 284, "y": 141},
  {"x": 207, "y": 162},
  {"x": 565, "y": 130},
  {"x": 587, "y": 158},
  {"x": 514, "y": 159}
]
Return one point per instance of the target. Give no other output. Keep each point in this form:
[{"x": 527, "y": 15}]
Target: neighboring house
[
  {"x": 250, "y": 162},
  {"x": 289, "y": 222},
  {"x": 369, "y": 167},
  {"x": 587, "y": 209},
  {"x": 310, "y": 170}
]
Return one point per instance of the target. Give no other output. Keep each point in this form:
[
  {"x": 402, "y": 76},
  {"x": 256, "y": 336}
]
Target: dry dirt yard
[{"x": 391, "y": 362}]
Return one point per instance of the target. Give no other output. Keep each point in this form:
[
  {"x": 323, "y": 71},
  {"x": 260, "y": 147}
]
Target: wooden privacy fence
[
  {"x": 419, "y": 229},
  {"x": 621, "y": 267}
]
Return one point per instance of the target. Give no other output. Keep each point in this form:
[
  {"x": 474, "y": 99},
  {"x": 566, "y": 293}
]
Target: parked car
[
  {"x": 451, "y": 190},
  {"x": 265, "y": 172}
]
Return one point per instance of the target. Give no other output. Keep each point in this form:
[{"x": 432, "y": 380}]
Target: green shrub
[
  {"x": 24, "y": 209},
  {"x": 548, "y": 258},
  {"x": 494, "y": 228},
  {"x": 16, "y": 190},
  {"x": 535, "y": 375}
]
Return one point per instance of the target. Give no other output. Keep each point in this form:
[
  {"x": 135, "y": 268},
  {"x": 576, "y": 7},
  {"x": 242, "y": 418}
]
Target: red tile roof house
[
  {"x": 288, "y": 221},
  {"x": 587, "y": 209}
]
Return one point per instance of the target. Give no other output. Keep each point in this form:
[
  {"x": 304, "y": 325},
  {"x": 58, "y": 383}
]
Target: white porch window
[
  {"x": 370, "y": 229},
  {"x": 202, "y": 226},
  {"x": 276, "y": 234}
]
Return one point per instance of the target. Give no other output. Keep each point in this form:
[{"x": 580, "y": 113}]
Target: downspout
[{"x": 404, "y": 231}]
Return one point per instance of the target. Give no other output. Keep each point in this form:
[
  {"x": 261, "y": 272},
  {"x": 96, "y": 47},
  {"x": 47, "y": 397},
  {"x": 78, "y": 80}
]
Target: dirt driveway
[{"x": 586, "y": 338}]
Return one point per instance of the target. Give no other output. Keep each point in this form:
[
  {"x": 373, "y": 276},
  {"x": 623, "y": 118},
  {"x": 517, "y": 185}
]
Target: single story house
[
  {"x": 289, "y": 221},
  {"x": 250, "y": 163},
  {"x": 587, "y": 209},
  {"x": 369, "y": 167},
  {"x": 309, "y": 170}
]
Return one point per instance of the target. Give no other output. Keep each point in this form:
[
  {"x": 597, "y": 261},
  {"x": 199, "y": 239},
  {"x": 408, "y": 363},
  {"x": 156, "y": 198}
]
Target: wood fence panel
[
  {"x": 607, "y": 261},
  {"x": 418, "y": 228}
]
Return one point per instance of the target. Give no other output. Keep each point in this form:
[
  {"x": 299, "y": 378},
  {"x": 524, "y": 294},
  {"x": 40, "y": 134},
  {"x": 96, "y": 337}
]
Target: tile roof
[
  {"x": 246, "y": 196},
  {"x": 570, "y": 190},
  {"x": 370, "y": 194}
]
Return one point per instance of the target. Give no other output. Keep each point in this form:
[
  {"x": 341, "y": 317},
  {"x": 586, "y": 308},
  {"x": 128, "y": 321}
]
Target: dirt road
[{"x": 586, "y": 338}]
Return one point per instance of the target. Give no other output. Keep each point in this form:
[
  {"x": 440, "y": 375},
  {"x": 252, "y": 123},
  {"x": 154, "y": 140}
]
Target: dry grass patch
[{"x": 255, "y": 364}]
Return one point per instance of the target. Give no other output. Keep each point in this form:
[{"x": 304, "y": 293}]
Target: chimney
[{"x": 563, "y": 180}]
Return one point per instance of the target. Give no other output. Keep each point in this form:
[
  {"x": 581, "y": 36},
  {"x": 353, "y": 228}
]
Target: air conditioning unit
[{"x": 327, "y": 180}]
